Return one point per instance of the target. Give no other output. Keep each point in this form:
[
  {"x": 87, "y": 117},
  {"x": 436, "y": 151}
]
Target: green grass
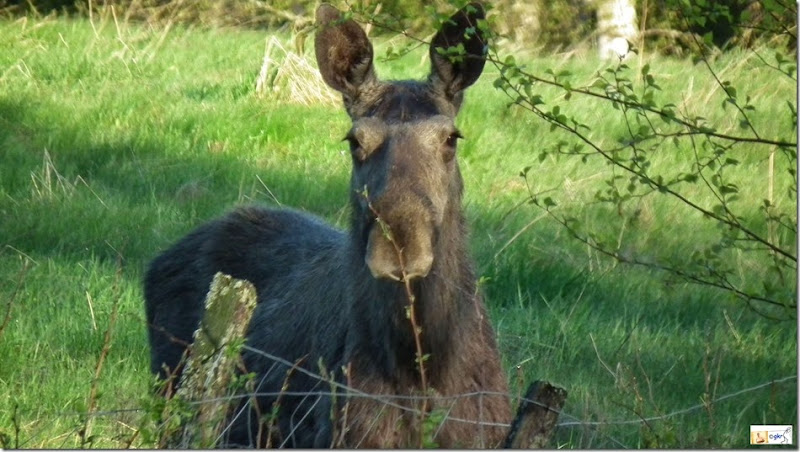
[{"x": 117, "y": 139}]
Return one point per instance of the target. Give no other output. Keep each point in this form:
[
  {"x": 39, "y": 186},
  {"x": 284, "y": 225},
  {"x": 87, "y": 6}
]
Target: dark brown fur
[{"x": 334, "y": 298}]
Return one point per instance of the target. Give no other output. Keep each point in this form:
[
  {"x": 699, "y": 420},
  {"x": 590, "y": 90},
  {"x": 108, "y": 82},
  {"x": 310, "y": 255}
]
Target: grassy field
[{"x": 117, "y": 138}]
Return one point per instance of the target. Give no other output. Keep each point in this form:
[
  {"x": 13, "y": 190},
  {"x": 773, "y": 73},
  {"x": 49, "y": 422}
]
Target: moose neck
[{"x": 440, "y": 299}]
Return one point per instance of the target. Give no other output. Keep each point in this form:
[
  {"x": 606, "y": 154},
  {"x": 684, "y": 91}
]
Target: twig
[
  {"x": 691, "y": 277},
  {"x": 411, "y": 311},
  {"x": 662, "y": 187},
  {"x": 651, "y": 109}
]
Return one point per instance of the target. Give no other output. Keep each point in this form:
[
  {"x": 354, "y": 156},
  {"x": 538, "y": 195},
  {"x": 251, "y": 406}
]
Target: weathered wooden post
[
  {"x": 213, "y": 361},
  {"x": 536, "y": 417}
]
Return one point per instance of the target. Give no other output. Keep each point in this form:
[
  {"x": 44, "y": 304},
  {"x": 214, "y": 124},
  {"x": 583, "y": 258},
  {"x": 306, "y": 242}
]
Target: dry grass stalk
[
  {"x": 289, "y": 77},
  {"x": 48, "y": 181}
]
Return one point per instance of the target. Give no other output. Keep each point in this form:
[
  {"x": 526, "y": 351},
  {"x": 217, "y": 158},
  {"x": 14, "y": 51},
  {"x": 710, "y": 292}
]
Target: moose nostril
[
  {"x": 386, "y": 266},
  {"x": 396, "y": 273},
  {"x": 420, "y": 267},
  {"x": 414, "y": 261}
]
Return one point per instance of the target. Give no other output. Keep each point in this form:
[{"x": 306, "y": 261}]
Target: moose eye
[
  {"x": 450, "y": 146},
  {"x": 355, "y": 147},
  {"x": 366, "y": 137},
  {"x": 352, "y": 141},
  {"x": 452, "y": 139}
]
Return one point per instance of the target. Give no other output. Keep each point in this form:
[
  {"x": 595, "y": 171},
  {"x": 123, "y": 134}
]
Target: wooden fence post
[
  {"x": 212, "y": 362},
  {"x": 537, "y": 417}
]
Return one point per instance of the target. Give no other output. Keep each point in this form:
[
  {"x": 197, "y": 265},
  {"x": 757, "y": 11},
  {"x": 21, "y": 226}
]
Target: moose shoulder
[{"x": 339, "y": 299}]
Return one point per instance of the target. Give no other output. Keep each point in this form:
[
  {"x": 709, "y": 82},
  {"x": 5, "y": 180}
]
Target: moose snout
[{"x": 392, "y": 254}]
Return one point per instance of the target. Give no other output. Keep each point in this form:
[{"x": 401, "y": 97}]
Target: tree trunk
[{"x": 616, "y": 25}]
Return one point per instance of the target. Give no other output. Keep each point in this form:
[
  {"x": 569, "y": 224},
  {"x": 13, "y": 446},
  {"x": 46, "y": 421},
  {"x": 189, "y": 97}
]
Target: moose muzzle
[{"x": 400, "y": 249}]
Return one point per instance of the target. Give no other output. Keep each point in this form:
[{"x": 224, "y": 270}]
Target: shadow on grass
[
  {"x": 97, "y": 201},
  {"x": 73, "y": 196}
]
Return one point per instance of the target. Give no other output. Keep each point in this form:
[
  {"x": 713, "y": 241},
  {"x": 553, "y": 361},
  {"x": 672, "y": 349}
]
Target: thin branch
[
  {"x": 777, "y": 68},
  {"x": 416, "y": 330},
  {"x": 722, "y": 85},
  {"x": 660, "y": 186},
  {"x": 726, "y": 285},
  {"x": 757, "y": 140}
]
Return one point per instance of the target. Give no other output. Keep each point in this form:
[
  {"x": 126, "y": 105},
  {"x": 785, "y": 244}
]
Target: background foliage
[{"x": 542, "y": 25}]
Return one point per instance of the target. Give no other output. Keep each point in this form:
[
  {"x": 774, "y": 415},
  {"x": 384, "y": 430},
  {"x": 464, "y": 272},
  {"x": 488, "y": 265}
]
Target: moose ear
[
  {"x": 344, "y": 53},
  {"x": 457, "y": 72}
]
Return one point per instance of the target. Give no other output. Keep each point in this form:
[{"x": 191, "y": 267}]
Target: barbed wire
[
  {"x": 392, "y": 400},
  {"x": 576, "y": 421},
  {"x": 678, "y": 412}
]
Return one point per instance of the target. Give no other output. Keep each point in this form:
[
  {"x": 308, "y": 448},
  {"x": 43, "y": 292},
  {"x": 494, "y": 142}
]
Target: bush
[{"x": 532, "y": 24}]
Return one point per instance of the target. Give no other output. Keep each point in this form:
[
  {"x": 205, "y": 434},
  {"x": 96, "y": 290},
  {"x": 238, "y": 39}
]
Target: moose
[{"x": 338, "y": 301}]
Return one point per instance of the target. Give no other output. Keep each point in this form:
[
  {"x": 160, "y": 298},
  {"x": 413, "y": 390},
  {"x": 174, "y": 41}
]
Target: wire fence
[{"x": 337, "y": 389}]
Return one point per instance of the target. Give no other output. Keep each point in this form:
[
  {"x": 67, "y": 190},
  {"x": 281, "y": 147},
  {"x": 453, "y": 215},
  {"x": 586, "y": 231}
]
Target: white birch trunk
[{"x": 616, "y": 25}]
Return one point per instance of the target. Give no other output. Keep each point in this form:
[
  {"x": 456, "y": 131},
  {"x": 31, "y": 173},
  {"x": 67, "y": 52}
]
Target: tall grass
[{"x": 117, "y": 138}]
